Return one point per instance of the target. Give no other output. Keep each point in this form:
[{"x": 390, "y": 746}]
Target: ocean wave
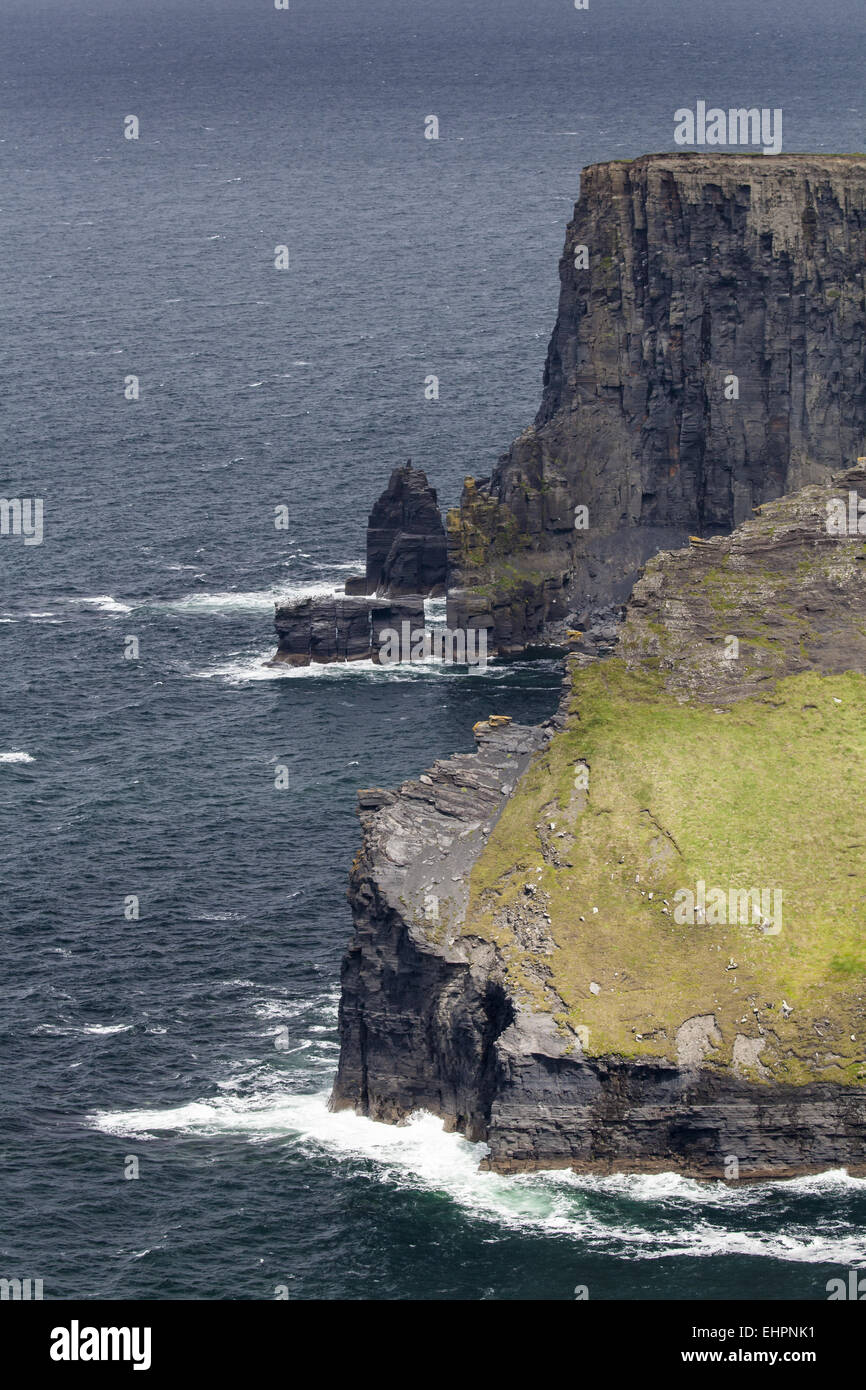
[
  {"x": 250, "y": 601},
  {"x": 349, "y": 566},
  {"x": 94, "y": 1029},
  {"x": 105, "y": 604},
  {"x": 257, "y": 667},
  {"x": 16, "y": 758},
  {"x": 653, "y": 1188},
  {"x": 420, "y": 1155}
]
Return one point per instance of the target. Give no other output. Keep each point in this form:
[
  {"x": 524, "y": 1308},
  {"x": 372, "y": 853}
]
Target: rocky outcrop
[
  {"x": 406, "y": 551},
  {"x": 421, "y": 1008},
  {"x": 516, "y": 966},
  {"x": 787, "y": 588},
  {"x": 406, "y": 562},
  {"x": 321, "y": 630},
  {"x": 708, "y": 356}
]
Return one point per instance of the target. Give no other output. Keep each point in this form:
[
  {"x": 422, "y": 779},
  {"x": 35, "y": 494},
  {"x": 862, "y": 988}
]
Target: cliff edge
[{"x": 633, "y": 939}]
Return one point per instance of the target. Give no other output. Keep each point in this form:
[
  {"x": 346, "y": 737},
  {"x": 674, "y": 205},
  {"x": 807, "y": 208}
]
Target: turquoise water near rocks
[{"x": 156, "y": 1038}]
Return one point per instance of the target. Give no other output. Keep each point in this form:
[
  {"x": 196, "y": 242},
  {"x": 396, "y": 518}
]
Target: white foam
[
  {"x": 106, "y": 604},
  {"x": 421, "y": 1155},
  {"x": 95, "y": 1029},
  {"x": 16, "y": 758},
  {"x": 353, "y": 567},
  {"x": 256, "y": 667},
  {"x": 248, "y": 601}
]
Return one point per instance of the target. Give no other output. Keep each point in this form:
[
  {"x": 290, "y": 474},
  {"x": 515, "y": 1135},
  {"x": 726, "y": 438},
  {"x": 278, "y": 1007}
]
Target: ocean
[{"x": 172, "y": 923}]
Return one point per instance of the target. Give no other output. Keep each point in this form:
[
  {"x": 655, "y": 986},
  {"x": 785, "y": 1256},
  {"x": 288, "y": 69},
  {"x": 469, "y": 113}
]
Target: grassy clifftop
[{"x": 591, "y": 881}]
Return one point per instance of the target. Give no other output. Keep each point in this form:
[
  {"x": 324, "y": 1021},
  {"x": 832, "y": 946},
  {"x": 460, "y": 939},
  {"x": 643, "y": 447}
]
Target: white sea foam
[
  {"x": 420, "y": 1155},
  {"x": 256, "y": 667},
  {"x": 94, "y": 1029},
  {"x": 106, "y": 604},
  {"x": 249, "y": 601},
  {"x": 351, "y": 566},
  {"x": 16, "y": 758}
]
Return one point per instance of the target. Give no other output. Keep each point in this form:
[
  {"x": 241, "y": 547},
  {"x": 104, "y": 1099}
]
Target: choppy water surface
[{"x": 155, "y": 1038}]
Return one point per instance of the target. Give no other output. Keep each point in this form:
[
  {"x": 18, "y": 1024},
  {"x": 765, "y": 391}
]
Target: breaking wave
[{"x": 632, "y": 1216}]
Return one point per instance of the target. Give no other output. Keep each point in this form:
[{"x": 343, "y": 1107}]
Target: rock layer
[{"x": 321, "y": 630}]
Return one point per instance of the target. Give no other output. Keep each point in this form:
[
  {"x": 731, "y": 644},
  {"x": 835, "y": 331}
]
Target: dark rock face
[
  {"x": 609, "y": 1116},
  {"x": 340, "y": 629},
  {"x": 406, "y": 550},
  {"x": 419, "y": 1014},
  {"x": 701, "y": 269},
  {"x": 406, "y": 562}
]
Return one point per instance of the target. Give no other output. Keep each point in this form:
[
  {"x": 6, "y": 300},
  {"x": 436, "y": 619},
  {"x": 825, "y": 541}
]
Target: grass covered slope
[{"x": 653, "y": 789}]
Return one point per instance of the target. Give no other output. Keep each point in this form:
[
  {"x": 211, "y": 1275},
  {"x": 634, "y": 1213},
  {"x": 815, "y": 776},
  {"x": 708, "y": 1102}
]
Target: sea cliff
[
  {"x": 523, "y": 962},
  {"x": 707, "y": 357},
  {"x": 632, "y": 938}
]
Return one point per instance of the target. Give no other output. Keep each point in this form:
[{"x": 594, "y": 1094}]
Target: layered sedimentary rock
[
  {"x": 787, "y": 587},
  {"x": 406, "y": 563},
  {"x": 523, "y": 962},
  {"x": 708, "y": 356},
  {"x": 406, "y": 550},
  {"x": 340, "y": 629}
]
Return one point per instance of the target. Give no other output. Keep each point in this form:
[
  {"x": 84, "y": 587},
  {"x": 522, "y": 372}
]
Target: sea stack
[{"x": 406, "y": 563}]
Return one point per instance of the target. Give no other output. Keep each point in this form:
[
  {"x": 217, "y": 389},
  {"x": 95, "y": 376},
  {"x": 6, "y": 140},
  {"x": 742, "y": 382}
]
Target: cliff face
[
  {"x": 708, "y": 356},
  {"x": 524, "y": 962},
  {"x": 421, "y": 1008}
]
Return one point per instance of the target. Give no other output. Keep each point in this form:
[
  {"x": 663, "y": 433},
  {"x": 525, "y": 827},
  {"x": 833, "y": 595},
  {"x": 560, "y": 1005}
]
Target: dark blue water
[{"x": 156, "y": 1038}]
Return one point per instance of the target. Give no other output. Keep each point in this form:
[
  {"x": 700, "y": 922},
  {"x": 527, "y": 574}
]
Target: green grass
[{"x": 769, "y": 793}]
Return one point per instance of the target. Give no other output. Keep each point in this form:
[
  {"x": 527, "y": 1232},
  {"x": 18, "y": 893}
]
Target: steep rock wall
[{"x": 698, "y": 268}]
